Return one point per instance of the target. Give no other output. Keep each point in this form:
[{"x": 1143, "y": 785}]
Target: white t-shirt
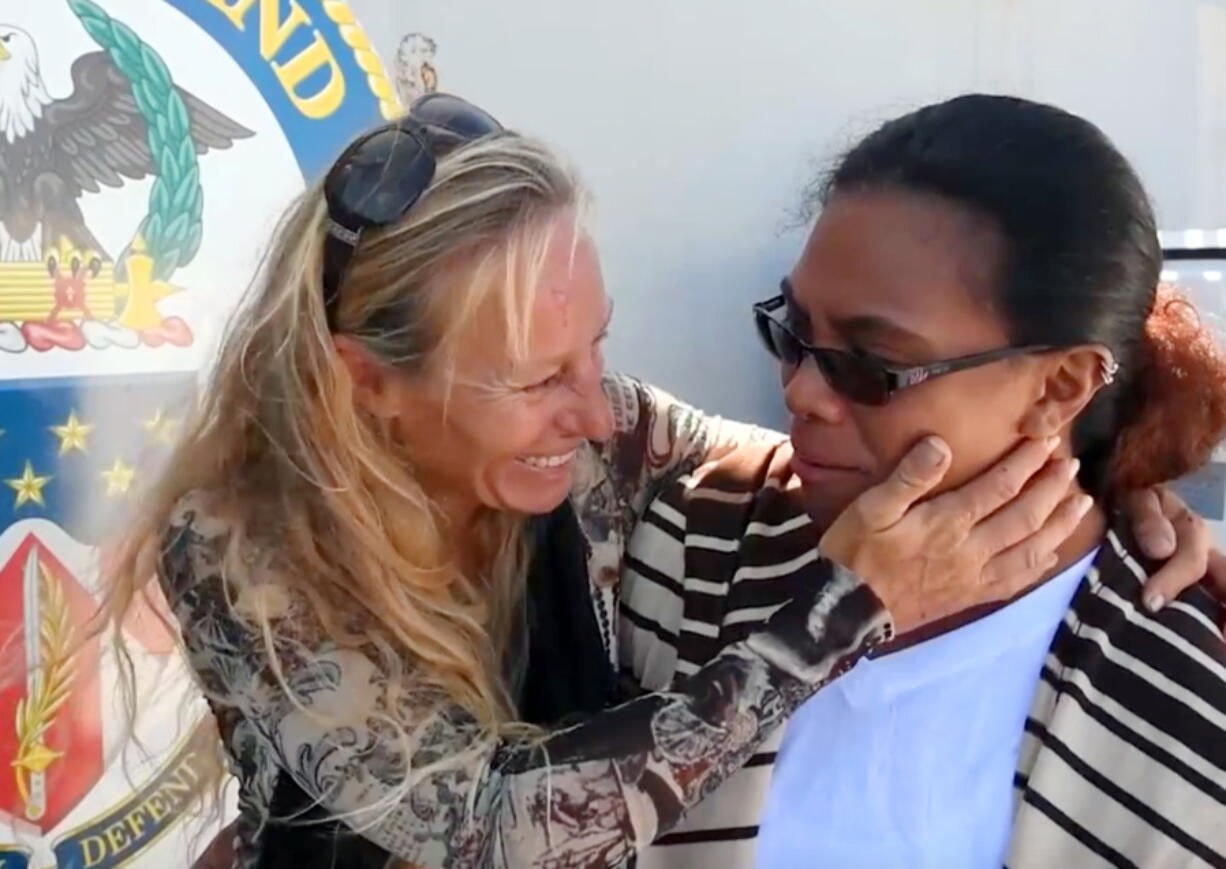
[{"x": 908, "y": 759}]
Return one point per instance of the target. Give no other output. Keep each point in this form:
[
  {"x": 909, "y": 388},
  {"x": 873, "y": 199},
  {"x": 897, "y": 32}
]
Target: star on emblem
[
  {"x": 161, "y": 428},
  {"x": 118, "y": 478},
  {"x": 72, "y": 434},
  {"x": 29, "y": 487}
]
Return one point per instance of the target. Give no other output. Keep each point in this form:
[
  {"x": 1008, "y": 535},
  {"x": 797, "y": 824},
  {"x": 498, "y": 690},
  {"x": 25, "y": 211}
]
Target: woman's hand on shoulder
[{"x": 1168, "y": 530}]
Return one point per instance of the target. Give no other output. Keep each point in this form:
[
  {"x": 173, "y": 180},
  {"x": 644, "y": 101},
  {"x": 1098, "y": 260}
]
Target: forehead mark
[{"x": 559, "y": 295}]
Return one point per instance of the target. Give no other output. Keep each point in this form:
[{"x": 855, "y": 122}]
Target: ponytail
[{"x": 1178, "y": 409}]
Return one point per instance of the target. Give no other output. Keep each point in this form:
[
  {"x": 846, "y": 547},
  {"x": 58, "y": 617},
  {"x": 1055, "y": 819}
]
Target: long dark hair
[{"x": 1081, "y": 265}]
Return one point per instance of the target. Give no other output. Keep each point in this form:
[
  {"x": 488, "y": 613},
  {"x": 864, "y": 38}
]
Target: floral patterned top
[{"x": 417, "y": 781}]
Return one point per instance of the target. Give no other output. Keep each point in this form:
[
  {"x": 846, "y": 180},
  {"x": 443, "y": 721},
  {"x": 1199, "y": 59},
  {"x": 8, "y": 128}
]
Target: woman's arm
[
  {"x": 408, "y": 770},
  {"x": 657, "y": 437},
  {"x": 413, "y": 774}
]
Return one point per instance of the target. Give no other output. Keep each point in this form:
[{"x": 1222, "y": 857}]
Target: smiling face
[
  {"x": 504, "y": 435},
  {"x": 908, "y": 279}
]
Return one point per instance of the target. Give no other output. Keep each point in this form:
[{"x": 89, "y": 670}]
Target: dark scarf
[{"x": 568, "y": 677}]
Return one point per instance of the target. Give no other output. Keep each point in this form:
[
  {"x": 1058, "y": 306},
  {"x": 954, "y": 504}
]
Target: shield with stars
[{"x": 146, "y": 148}]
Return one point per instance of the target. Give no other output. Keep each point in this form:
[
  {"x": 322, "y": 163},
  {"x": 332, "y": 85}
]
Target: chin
[
  {"x": 513, "y": 488},
  {"x": 824, "y": 507},
  {"x": 537, "y": 506},
  {"x": 535, "y": 501}
]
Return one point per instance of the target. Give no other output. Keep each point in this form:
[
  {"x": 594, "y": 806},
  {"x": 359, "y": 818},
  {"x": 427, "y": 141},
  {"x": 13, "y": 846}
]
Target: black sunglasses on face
[
  {"x": 380, "y": 176},
  {"x": 856, "y": 377}
]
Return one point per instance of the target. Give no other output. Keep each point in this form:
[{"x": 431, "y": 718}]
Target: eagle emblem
[
  {"x": 125, "y": 120},
  {"x": 135, "y": 203}
]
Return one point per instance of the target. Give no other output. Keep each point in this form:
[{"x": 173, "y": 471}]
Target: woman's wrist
[{"x": 816, "y": 640}]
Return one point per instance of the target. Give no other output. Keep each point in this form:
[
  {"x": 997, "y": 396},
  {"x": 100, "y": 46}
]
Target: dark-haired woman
[{"x": 985, "y": 270}]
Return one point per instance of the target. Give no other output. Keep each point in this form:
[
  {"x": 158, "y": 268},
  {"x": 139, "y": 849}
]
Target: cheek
[
  {"x": 498, "y": 475},
  {"x": 495, "y": 432},
  {"x": 473, "y": 439},
  {"x": 514, "y": 433},
  {"x": 979, "y": 421}
]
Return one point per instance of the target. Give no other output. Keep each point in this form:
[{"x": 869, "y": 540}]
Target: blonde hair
[{"x": 278, "y": 434}]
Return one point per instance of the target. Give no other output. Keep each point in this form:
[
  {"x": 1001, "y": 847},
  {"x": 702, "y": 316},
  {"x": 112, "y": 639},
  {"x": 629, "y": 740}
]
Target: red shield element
[{"x": 50, "y": 701}]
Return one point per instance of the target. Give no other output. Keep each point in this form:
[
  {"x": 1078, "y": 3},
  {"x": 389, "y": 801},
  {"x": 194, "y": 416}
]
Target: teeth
[{"x": 544, "y": 462}]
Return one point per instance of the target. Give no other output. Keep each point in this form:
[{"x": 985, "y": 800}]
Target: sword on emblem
[
  {"x": 47, "y": 632},
  {"x": 36, "y": 782}
]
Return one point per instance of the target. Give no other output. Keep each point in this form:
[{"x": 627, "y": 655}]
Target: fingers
[
  {"x": 995, "y": 487},
  {"x": 1190, "y": 562},
  {"x": 917, "y": 474},
  {"x": 1023, "y": 564},
  {"x": 1150, "y": 525},
  {"x": 1216, "y": 577},
  {"x": 1029, "y": 512}
]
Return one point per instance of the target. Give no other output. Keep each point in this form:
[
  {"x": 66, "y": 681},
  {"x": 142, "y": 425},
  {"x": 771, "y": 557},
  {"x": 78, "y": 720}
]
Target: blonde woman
[{"x": 403, "y": 666}]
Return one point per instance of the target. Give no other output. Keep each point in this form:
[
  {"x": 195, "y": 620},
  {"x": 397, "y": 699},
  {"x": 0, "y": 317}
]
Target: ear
[
  {"x": 1073, "y": 378},
  {"x": 375, "y": 388}
]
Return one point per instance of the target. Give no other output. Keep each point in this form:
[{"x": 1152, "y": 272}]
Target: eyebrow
[
  {"x": 796, "y": 313},
  {"x": 864, "y": 327},
  {"x": 868, "y": 327}
]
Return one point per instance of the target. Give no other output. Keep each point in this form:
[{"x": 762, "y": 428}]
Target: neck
[
  {"x": 24, "y": 97},
  {"x": 1087, "y": 535},
  {"x": 459, "y": 517},
  {"x": 458, "y": 514},
  {"x": 1084, "y": 538}
]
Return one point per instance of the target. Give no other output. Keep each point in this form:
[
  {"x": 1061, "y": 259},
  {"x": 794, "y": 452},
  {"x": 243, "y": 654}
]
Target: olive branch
[{"x": 173, "y": 227}]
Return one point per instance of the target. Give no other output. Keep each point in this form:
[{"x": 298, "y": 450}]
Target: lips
[
  {"x": 812, "y": 462},
  {"x": 824, "y": 463},
  {"x": 821, "y": 457}
]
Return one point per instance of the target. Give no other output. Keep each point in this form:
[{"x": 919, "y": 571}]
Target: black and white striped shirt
[{"x": 1123, "y": 762}]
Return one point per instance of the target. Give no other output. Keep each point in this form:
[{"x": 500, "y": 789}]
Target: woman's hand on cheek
[
  {"x": 1166, "y": 528},
  {"x": 986, "y": 541}
]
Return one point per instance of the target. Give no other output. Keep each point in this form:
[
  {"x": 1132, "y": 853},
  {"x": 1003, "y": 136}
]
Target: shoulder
[
  {"x": 656, "y": 436},
  {"x": 1119, "y": 573},
  {"x": 1168, "y": 667},
  {"x": 747, "y": 493},
  {"x": 718, "y": 551},
  {"x": 626, "y": 396},
  {"x": 745, "y": 506},
  {"x": 1135, "y": 702},
  {"x": 645, "y": 416},
  {"x": 649, "y": 428},
  {"x": 759, "y": 467},
  {"x": 194, "y": 541},
  {"x": 209, "y": 563}
]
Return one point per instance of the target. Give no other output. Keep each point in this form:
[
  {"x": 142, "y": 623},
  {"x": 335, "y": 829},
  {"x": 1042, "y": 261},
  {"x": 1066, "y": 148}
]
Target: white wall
[{"x": 697, "y": 122}]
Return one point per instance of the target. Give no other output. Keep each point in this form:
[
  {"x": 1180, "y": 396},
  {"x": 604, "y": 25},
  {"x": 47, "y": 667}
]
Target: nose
[
  {"x": 808, "y": 396},
  {"x": 588, "y": 415}
]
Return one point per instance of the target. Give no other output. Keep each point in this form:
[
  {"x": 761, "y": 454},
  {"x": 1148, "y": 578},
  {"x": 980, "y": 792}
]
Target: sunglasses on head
[
  {"x": 380, "y": 176},
  {"x": 855, "y": 376}
]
